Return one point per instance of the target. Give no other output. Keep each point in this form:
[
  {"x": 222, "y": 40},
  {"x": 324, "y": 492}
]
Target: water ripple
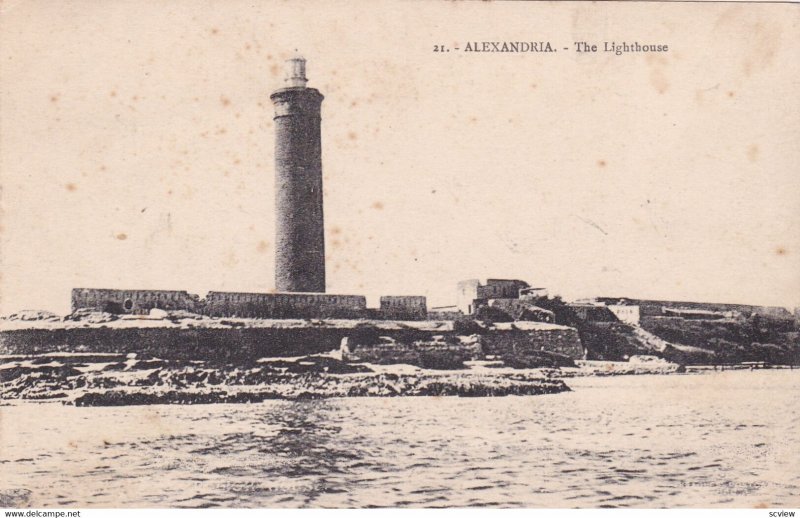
[{"x": 643, "y": 441}]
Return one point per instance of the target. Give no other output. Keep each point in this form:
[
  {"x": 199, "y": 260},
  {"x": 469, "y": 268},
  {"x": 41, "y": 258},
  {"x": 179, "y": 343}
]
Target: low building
[
  {"x": 472, "y": 292},
  {"x": 284, "y": 305},
  {"x": 136, "y": 302},
  {"x": 404, "y": 307},
  {"x": 444, "y": 313}
]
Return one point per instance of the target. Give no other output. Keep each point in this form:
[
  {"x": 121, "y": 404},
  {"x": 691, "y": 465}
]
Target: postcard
[{"x": 399, "y": 254}]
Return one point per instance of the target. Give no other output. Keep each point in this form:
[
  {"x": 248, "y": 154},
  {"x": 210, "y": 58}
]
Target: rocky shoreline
[
  {"x": 108, "y": 381},
  {"x": 102, "y": 360}
]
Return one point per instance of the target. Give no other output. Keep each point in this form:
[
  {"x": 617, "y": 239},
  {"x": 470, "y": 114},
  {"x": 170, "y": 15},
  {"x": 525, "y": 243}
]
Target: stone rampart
[
  {"x": 284, "y": 305},
  {"x": 240, "y": 342},
  {"x": 518, "y": 338},
  {"x": 138, "y": 302}
]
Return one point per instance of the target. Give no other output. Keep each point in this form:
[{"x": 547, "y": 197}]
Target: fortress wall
[
  {"x": 379, "y": 346},
  {"x": 176, "y": 343},
  {"x": 222, "y": 304},
  {"x": 250, "y": 305},
  {"x": 132, "y": 301},
  {"x": 242, "y": 344},
  {"x": 564, "y": 340},
  {"x": 284, "y": 305},
  {"x": 401, "y": 307}
]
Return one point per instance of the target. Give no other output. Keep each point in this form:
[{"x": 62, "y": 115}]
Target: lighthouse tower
[{"x": 299, "y": 229}]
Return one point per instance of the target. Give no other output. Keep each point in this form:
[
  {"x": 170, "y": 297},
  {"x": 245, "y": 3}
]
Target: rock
[
  {"x": 437, "y": 352},
  {"x": 47, "y": 395},
  {"x": 608, "y": 368},
  {"x": 537, "y": 360},
  {"x": 148, "y": 364},
  {"x": 309, "y": 377},
  {"x": 91, "y": 316},
  {"x": 522, "y": 310},
  {"x": 645, "y": 358},
  {"x": 34, "y": 314},
  {"x": 12, "y": 373},
  {"x": 467, "y": 326},
  {"x": 441, "y": 360},
  {"x": 333, "y": 366},
  {"x": 314, "y": 365},
  {"x": 103, "y": 382},
  {"x": 48, "y": 372},
  {"x": 116, "y": 366},
  {"x": 180, "y": 314},
  {"x": 231, "y": 323},
  {"x": 489, "y": 386},
  {"x": 471, "y": 341}
]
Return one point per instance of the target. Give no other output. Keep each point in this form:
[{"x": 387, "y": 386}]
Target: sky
[{"x": 137, "y": 148}]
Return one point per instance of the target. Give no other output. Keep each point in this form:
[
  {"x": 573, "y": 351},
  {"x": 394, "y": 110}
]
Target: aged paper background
[
  {"x": 136, "y": 151},
  {"x": 136, "y": 147}
]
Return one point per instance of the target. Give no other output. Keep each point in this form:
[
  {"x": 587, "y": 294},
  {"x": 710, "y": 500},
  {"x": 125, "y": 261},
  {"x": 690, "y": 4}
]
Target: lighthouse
[{"x": 299, "y": 227}]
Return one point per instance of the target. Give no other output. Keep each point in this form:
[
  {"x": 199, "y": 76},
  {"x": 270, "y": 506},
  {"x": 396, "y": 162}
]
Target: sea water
[{"x": 726, "y": 439}]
